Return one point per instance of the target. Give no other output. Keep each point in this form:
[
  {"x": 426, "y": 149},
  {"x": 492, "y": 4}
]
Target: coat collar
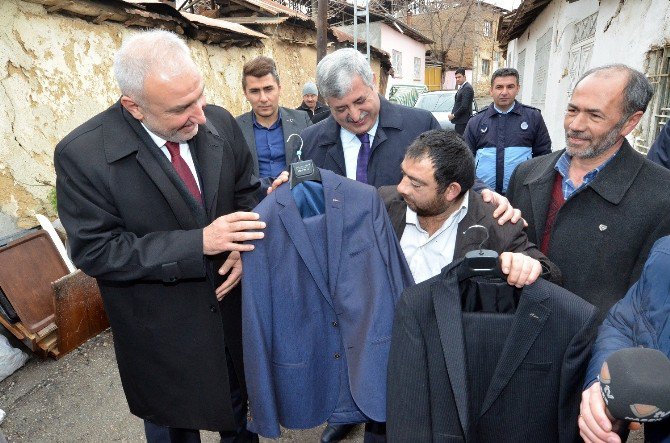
[
  {"x": 207, "y": 150},
  {"x": 611, "y": 184}
]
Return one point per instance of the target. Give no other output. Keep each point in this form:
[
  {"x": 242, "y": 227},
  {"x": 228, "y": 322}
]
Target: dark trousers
[
  {"x": 375, "y": 432},
  {"x": 163, "y": 434},
  {"x": 460, "y": 128}
]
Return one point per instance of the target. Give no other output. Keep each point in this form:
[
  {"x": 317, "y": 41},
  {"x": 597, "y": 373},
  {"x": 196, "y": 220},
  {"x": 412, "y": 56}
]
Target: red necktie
[{"x": 183, "y": 170}]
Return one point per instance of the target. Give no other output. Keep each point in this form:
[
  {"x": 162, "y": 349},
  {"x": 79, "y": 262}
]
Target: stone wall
[{"x": 56, "y": 72}]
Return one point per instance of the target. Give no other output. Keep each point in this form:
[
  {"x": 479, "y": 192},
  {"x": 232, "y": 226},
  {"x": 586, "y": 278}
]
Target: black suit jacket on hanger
[{"x": 535, "y": 391}]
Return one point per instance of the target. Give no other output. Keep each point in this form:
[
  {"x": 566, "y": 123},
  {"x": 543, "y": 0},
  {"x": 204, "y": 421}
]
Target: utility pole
[{"x": 321, "y": 29}]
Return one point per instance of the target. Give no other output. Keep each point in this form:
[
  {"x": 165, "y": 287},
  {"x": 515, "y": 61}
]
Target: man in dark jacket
[
  {"x": 462, "y": 110},
  {"x": 310, "y": 103},
  {"x": 596, "y": 208},
  {"x": 366, "y": 136},
  {"x": 147, "y": 192},
  {"x": 434, "y": 205}
]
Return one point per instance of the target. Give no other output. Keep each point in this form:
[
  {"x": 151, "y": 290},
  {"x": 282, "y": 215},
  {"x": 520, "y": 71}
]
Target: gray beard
[{"x": 597, "y": 150}]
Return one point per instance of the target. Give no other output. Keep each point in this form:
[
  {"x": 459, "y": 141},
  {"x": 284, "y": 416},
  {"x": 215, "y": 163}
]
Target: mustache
[
  {"x": 362, "y": 116},
  {"x": 578, "y": 134}
]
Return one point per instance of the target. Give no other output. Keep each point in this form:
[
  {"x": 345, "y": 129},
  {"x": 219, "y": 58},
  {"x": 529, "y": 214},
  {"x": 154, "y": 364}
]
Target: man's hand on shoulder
[
  {"x": 504, "y": 211},
  {"x": 521, "y": 270},
  {"x": 227, "y": 233}
]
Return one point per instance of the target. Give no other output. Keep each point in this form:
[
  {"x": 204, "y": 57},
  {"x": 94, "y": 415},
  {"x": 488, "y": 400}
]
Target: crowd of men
[{"x": 156, "y": 195}]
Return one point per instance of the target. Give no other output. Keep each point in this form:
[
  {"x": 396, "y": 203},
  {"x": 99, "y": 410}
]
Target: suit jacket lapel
[
  {"x": 334, "y": 201},
  {"x": 529, "y": 320},
  {"x": 540, "y": 182},
  {"x": 208, "y": 149},
  {"x": 247, "y": 126},
  {"x": 471, "y": 241},
  {"x": 159, "y": 169},
  {"x": 446, "y": 302},
  {"x": 290, "y": 217}
]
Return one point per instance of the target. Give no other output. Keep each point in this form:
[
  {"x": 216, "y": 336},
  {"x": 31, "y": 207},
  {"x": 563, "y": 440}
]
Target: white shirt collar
[
  {"x": 160, "y": 142},
  {"x": 348, "y": 137}
]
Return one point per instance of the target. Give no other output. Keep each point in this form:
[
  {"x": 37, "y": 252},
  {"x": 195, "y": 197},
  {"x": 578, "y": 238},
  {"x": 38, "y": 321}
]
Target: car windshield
[{"x": 436, "y": 102}]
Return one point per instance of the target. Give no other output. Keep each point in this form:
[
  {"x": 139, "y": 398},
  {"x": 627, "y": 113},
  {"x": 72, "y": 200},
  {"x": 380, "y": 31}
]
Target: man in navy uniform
[{"x": 505, "y": 133}]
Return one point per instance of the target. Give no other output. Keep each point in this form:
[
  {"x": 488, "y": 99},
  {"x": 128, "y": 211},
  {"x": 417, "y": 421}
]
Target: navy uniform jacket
[{"x": 501, "y": 141}]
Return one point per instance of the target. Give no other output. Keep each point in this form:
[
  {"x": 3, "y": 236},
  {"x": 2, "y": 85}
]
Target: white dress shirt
[
  {"x": 351, "y": 144},
  {"x": 184, "y": 151},
  {"x": 428, "y": 254}
]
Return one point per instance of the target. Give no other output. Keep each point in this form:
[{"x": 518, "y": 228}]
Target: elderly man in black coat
[
  {"x": 597, "y": 207},
  {"x": 147, "y": 192}
]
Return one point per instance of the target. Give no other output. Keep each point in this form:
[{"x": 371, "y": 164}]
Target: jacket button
[
  {"x": 337, "y": 355},
  {"x": 335, "y": 324},
  {"x": 212, "y": 308}
]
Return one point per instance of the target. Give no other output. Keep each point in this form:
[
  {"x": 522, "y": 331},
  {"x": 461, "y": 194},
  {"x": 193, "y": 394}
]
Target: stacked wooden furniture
[{"x": 51, "y": 310}]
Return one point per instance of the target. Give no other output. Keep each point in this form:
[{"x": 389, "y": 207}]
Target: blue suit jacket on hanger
[{"x": 299, "y": 319}]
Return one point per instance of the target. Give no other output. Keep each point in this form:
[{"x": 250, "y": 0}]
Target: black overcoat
[{"x": 133, "y": 226}]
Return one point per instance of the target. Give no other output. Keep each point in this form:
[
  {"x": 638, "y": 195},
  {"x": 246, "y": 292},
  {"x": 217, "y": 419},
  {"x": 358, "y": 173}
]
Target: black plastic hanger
[
  {"x": 481, "y": 262},
  {"x": 302, "y": 170}
]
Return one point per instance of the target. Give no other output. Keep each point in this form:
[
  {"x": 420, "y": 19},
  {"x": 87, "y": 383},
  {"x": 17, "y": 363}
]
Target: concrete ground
[{"x": 79, "y": 398}]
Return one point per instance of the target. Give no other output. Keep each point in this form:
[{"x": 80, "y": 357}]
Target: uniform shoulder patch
[{"x": 532, "y": 107}]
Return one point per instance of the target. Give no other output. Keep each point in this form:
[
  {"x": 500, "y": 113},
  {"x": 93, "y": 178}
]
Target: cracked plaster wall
[
  {"x": 56, "y": 73},
  {"x": 625, "y": 31}
]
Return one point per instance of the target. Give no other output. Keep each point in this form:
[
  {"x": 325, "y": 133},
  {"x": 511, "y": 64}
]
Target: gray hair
[
  {"x": 335, "y": 72},
  {"x": 146, "y": 52},
  {"x": 636, "y": 94}
]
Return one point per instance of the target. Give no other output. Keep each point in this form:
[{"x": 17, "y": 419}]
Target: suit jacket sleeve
[
  {"x": 513, "y": 238},
  {"x": 246, "y": 184},
  {"x": 100, "y": 245},
  {"x": 408, "y": 414},
  {"x": 660, "y": 150},
  {"x": 398, "y": 271},
  {"x": 628, "y": 323},
  {"x": 542, "y": 143},
  {"x": 573, "y": 367},
  {"x": 469, "y": 135},
  {"x": 257, "y": 340},
  {"x": 466, "y": 98},
  {"x": 520, "y": 243}
]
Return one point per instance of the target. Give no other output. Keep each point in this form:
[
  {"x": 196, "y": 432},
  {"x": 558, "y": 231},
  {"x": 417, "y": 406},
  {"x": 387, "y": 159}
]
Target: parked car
[
  {"x": 440, "y": 103},
  {"x": 405, "y": 94}
]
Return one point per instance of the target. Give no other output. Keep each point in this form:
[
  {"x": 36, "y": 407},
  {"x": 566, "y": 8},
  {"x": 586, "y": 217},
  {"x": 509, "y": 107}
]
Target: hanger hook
[
  {"x": 480, "y": 227},
  {"x": 299, "y": 153}
]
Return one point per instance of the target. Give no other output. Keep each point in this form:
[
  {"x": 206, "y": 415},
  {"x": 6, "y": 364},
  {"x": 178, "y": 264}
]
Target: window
[
  {"x": 396, "y": 61},
  {"x": 486, "y": 66},
  {"x": 417, "y": 68},
  {"x": 541, "y": 69},
  {"x": 488, "y": 26},
  {"x": 657, "y": 68}
]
